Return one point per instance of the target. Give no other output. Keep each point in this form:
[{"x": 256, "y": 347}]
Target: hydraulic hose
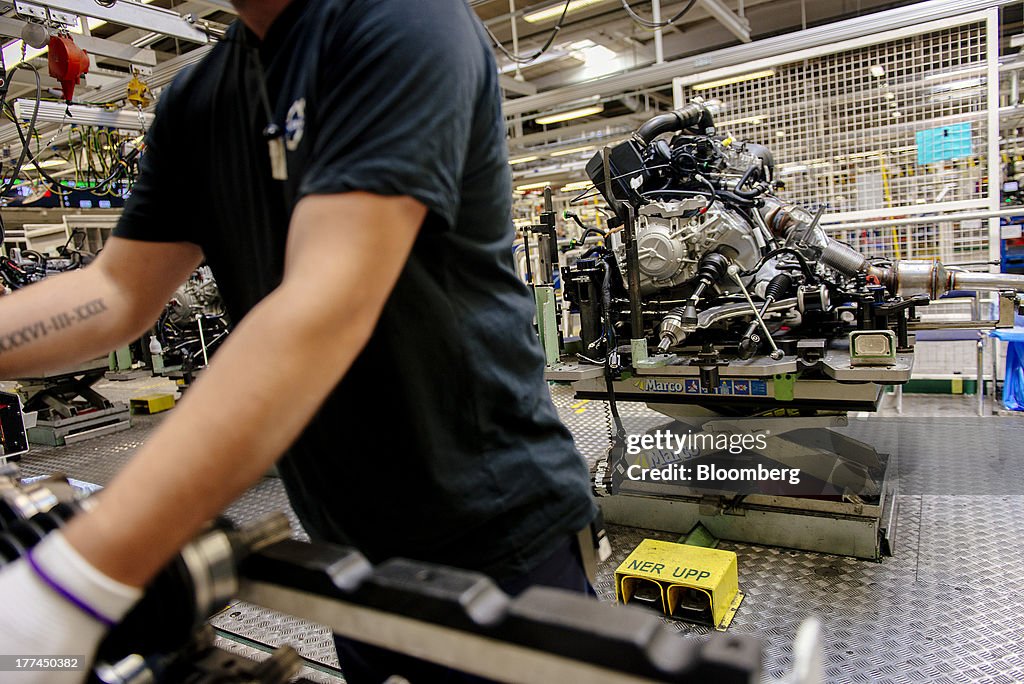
[{"x": 694, "y": 115}]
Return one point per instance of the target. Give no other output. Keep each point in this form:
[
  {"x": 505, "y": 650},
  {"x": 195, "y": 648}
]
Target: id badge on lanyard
[{"x": 275, "y": 147}]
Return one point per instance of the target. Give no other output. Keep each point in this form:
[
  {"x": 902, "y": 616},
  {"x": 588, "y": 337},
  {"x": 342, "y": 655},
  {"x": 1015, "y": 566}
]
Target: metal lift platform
[
  {"x": 847, "y": 504},
  {"x": 70, "y": 410}
]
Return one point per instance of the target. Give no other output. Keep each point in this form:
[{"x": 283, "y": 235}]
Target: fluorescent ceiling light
[
  {"x": 49, "y": 163},
  {"x": 593, "y": 54},
  {"x": 793, "y": 168},
  {"x": 877, "y": 70},
  {"x": 736, "y": 122},
  {"x": 577, "y": 186},
  {"x": 550, "y": 56},
  {"x": 523, "y": 160},
  {"x": 575, "y": 150},
  {"x": 569, "y": 168},
  {"x": 569, "y": 115},
  {"x": 531, "y": 186},
  {"x": 707, "y": 85},
  {"x": 555, "y": 11}
]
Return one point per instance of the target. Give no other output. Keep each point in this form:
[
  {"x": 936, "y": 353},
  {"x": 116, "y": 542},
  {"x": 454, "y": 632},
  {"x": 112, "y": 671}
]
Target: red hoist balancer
[{"x": 68, "y": 63}]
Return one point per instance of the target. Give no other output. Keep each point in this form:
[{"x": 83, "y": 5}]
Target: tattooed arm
[
  {"x": 83, "y": 314},
  {"x": 204, "y": 454}
]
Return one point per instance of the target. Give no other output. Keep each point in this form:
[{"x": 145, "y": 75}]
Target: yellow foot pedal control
[
  {"x": 681, "y": 581},
  {"x": 152, "y": 403}
]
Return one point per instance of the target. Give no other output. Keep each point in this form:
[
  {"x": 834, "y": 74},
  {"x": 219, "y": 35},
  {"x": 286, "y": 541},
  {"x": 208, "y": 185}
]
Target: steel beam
[
  {"x": 114, "y": 50},
  {"x": 94, "y": 46},
  {"x": 512, "y": 85},
  {"x": 565, "y": 134},
  {"x": 82, "y": 115},
  {"x": 660, "y": 74},
  {"x": 737, "y": 26},
  {"x": 132, "y": 14},
  {"x": 144, "y": 38},
  {"x": 659, "y": 42}
]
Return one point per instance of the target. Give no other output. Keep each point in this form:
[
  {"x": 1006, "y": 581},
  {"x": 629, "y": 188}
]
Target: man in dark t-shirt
[{"x": 341, "y": 166}]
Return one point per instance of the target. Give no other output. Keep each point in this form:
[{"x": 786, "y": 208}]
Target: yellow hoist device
[{"x": 139, "y": 93}]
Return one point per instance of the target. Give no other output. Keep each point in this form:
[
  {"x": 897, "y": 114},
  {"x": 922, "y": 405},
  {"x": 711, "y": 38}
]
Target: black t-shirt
[{"x": 441, "y": 442}]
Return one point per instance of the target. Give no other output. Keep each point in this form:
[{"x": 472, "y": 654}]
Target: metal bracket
[
  {"x": 518, "y": 87},
  {"x": 63, "y": 18},
  {"x": 35, "y": 11},
  {"x": 784, "y": 384},
  {"x": 132, "y": 14},
  {"x": 738, "y": 26},
  {"x": 547, "y": 322},
  {"x": 774, "y": 425},
  {"x": 711, "y": 505},
  {"x": 99, "y": 47},
  {"x": 1009, "y": 303},
  {"x": 24, "y": 9}
]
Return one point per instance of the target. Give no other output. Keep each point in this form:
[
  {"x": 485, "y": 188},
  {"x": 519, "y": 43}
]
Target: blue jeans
[{"x": 364, "y": 664}]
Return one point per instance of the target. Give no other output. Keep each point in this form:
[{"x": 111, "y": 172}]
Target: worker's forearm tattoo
[{"x": 21, "y": 337}]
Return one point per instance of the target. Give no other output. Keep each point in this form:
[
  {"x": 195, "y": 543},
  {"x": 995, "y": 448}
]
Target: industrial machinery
[
  {"x": 68, "y": 409},
  {"x": 718, "y": 303},
  {"x": 13, "y": 438},
  {"x": 448, "y": 616},
  {"x": 193, "y": 324},
  {"x": 24, "y": 267},
  {"x": 162, "y": 638},
  {"x": 63, "y": 402},
  {"x": 191, "y": 327},
  {"x": 67, "y": 63}
]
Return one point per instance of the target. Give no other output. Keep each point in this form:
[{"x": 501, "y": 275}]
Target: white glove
[{"x": 36, "y": 620}]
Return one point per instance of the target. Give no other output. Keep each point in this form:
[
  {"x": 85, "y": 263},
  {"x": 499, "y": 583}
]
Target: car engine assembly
[
  {"x": 719, "y": 304},
  {"x": 194, "y": 323},
  {"x": 708, "y": 265}
]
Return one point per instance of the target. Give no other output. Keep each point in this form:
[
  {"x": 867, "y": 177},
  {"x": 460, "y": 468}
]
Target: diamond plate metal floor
[{"x": 945, "y": 608}]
